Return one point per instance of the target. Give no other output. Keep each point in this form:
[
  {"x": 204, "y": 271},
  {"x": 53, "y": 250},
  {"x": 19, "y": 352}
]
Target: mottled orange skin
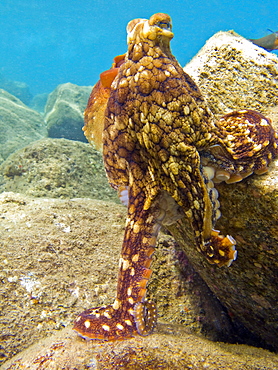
[
  {"x": 94, "y": 113},
  {"x": 158, "y": 134}
]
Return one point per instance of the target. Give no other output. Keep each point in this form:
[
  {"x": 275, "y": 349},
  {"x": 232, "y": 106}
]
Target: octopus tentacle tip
[
  {"x": 163, "y": 151},
  {"x": 145, "y": 315}
]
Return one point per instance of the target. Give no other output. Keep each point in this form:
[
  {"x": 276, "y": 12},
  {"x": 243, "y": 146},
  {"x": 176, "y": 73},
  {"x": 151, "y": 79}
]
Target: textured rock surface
[
  {"x": 19, "y": 125},
  {"x": 170, "y": 348},
  {"x": 56, "y": 168},
  {"x": 249, "y": 288},
  {"x": 64, "y": 111},
  {"x": 233, "y": 73},
  {"x": 60, "y": 257}
]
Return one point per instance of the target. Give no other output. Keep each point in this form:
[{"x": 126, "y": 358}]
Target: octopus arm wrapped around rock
[{"x": 162, "y": 151}]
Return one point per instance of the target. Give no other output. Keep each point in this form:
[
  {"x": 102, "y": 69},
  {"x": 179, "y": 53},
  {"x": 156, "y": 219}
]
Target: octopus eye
[{"x": 165, "y": 25}]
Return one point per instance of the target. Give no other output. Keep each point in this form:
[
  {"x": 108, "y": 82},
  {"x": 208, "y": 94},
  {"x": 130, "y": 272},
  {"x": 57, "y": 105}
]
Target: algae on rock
[
  {"x": 233, "y": 73},
  {"x": 19, "y": 125},
  {"x": 56, "y": 168}
]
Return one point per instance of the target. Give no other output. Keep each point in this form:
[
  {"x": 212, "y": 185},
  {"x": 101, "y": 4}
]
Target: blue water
[{"x": 45, "y": 42}]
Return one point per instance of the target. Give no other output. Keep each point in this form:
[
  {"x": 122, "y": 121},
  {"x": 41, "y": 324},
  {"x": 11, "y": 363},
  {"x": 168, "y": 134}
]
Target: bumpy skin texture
[{"x": 161, "y": 150}]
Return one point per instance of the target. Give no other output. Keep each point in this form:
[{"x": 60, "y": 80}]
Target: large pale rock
[
  {"x": 233, "y": 73},
  {"x": 56, "y": 168},
  {"x": 60, "y": 257},
  {"x": 19, "y": 125},
  {"x": 64, "y": 111}
]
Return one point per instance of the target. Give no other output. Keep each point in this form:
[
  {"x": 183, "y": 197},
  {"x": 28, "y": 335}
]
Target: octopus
[{"x": 163, "y": 151}]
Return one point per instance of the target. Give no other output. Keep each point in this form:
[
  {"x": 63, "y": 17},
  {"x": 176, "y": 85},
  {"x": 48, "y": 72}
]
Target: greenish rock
[
  {"x": 233, "y": 73},
  {"x": 17, "y": 88},
  {"x": 64, "y": 111},
  {"x": 19, "y": 125},
  {"x": 56, "y": 168},
  {"x": 38, "y": 102}
]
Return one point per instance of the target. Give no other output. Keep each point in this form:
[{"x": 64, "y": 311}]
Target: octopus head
[{"x": 156, "y": 31}]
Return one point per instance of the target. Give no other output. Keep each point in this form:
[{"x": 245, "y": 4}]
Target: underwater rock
[
  {"x": 19, "y": 125},
  {"x": 19, "y": 89},
  {"x": 64, "y": 111},
  {"x": 38, "y": 102},
  {"x": 56, "y": 168},
  {"x": 170, "y": 348},
  {"x": 249, "y": 288},
  {"x": 233, "y": 73},
  {"x": 61, "y": 256}
]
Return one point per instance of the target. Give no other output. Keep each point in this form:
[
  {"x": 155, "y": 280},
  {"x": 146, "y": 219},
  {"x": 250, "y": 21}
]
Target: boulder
[
  {"x": 17, "y": 88},
  {"x": 64, "y": 111},
  {"x": 233, "y": 73},
  {"x": 249, "y": 287},
  {"x": 38, "y": 102},
  {"x": 56, "y": 168},
  {"x": 19, "y": 125}
]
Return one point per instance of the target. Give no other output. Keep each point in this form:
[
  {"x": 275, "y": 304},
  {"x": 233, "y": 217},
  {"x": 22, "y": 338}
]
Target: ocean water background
[{"x": 46, "y": 43}]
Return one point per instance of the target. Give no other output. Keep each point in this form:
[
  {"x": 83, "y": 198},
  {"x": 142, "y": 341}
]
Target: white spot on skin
[
  {"x": 120, "y": 326},
  {"x": 116, "y": 304},
  {"x": 196, "y": 204},
  {"x": 87, "y": 324},
  {"x": 136, "y": 228},
  {"x": 128, "y": 322},
  {"x": 106, "y": 327},
  {"x": 106, "y": 314},
  {"x": 257, "y": 147},
  {"x": 130, "y": 300},
  {"x": 135, "y": 258},
  {"x": 129, "y": 291},
  {"x": 125, "y": 265},
  {"x": 131, "y": 311}
]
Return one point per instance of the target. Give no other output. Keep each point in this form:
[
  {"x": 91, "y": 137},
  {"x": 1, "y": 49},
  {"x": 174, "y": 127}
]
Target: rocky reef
[
  {"x": 64, "y": 111},
  {"x": 56, "y": 168},
  {"x": 19, "y": 125}
]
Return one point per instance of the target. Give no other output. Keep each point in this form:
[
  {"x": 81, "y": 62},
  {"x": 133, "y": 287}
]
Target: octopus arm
[
  {"x": 249, "y": 145},
  {"x": 193, "y": 191},
  {"x": 130, "y": 313}
]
